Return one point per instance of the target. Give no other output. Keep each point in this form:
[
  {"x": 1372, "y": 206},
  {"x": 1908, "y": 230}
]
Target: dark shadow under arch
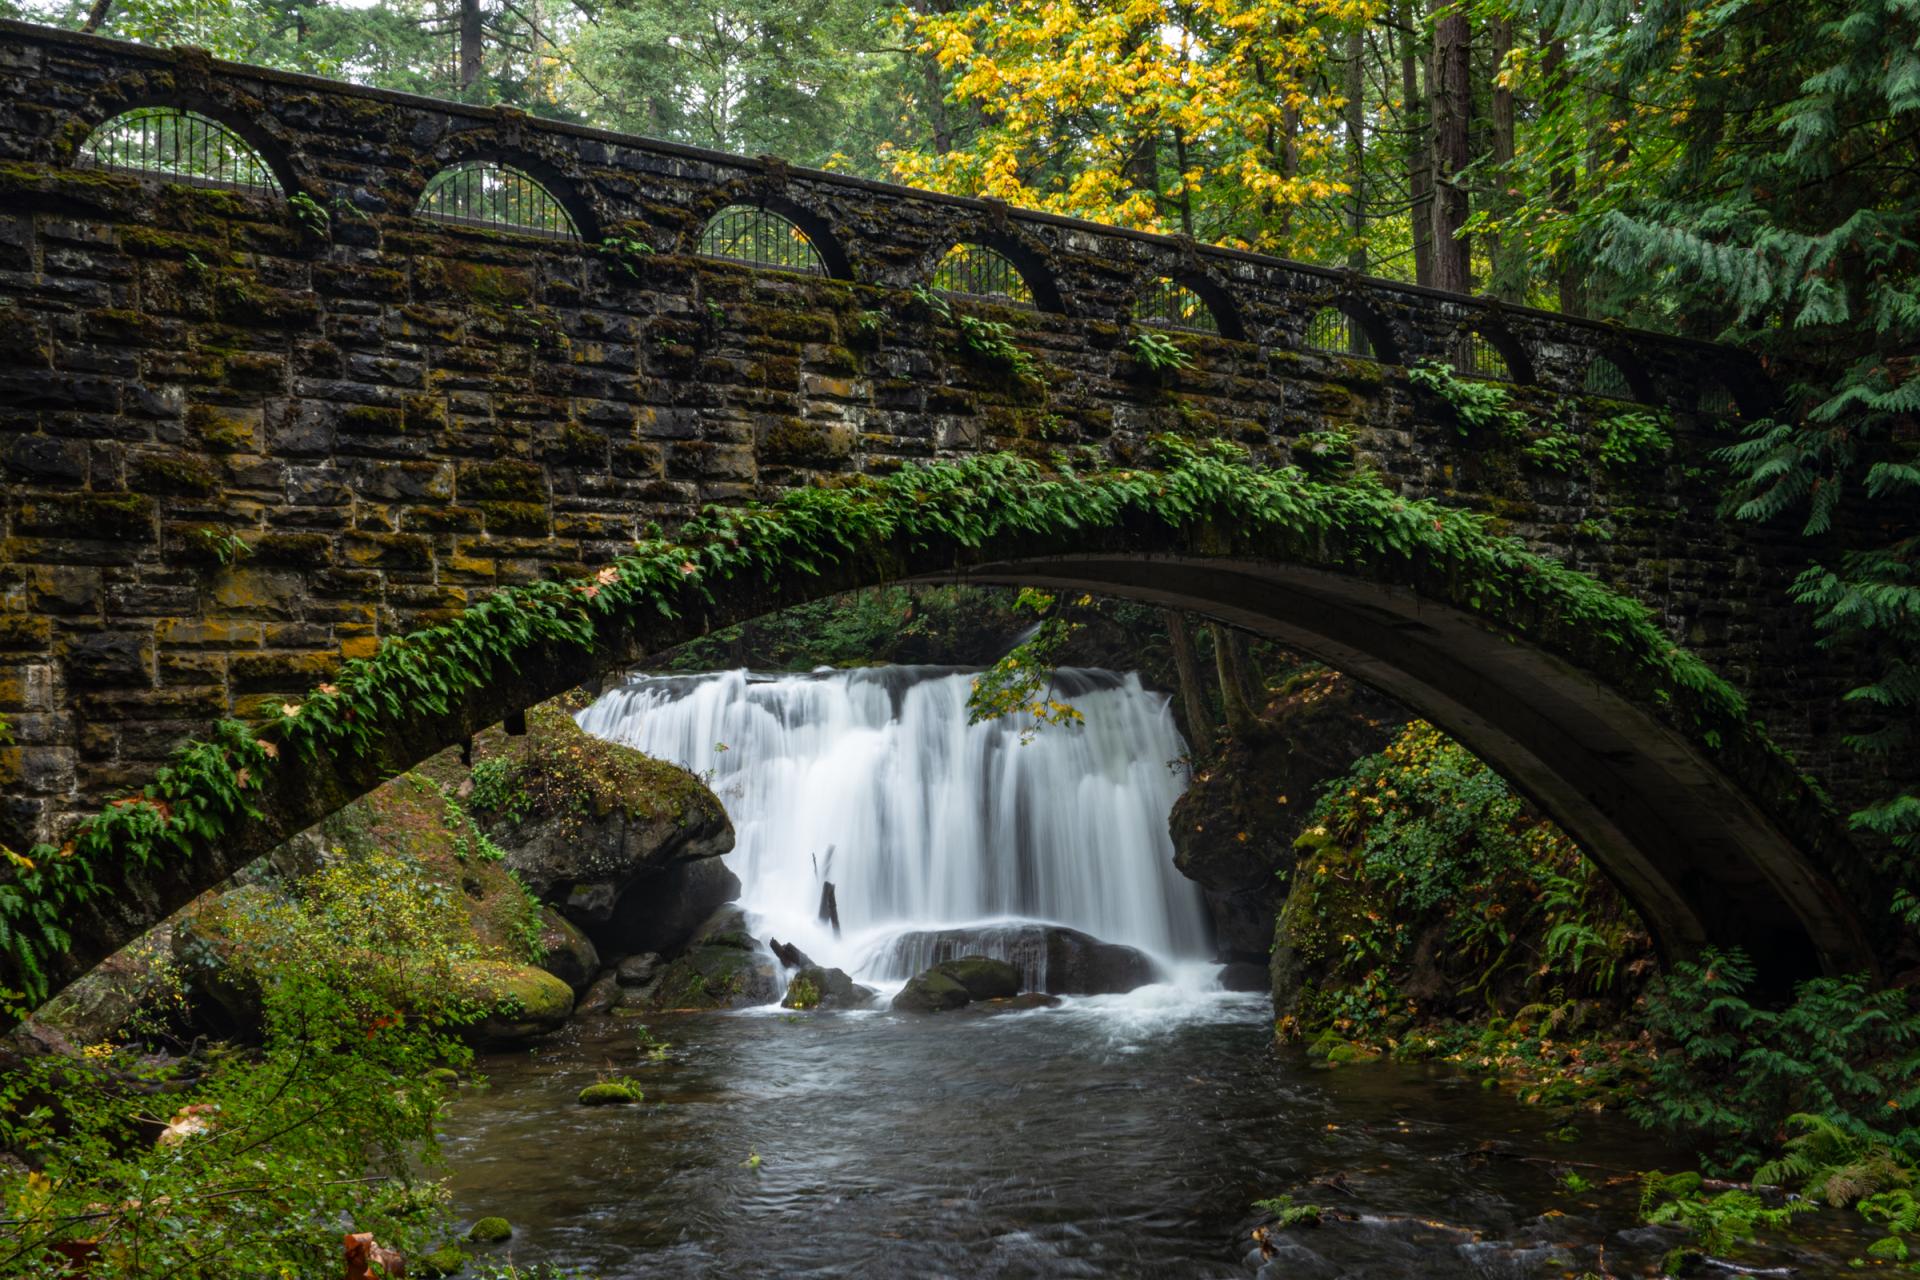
[
  {"x": 1639, "y": 381},
  {"x": 1715, "y": 839},
  {"x": 1511, "y": 349}
]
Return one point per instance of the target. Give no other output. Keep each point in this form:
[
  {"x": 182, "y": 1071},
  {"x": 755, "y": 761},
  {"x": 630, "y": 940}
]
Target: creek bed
[{"x": 1112, "y": 1136}]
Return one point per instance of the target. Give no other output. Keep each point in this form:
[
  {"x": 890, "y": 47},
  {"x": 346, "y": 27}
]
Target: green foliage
[
  {"x": 624, "y": 251},
  {"x": 1718, "y": 1222},
  {"x": 1626, "y": 440},
  {"x": 990, "y": 341},
  {"x": 206, "y": 792},
  {"x": 496, "y": 789},
  {"x": 333, "y": 1116},
  {"x": 1289, "y": 1214},
  {"x": 1554, "y": 450},
  {"x": 310, "y": 213},
  {"x": 1738, "y": 1071},
  {"x": 1324, "y": 454},
  {"x": 1021, "y": 682},
  {"x": 224, "y": 545},
  {"x": 1480, "y": 407},
  {"x": 802, "y": 994},
  {"x": 1157, "y": 353},
  {"x": 612, "y": 1092}
]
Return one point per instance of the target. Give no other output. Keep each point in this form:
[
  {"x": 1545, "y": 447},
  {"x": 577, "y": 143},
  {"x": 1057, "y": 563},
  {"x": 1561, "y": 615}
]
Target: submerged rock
[
  {"x": 1049, "y": 957},
  {"x": 953, "y": 984},
  {"x": 817, "y": 988}
]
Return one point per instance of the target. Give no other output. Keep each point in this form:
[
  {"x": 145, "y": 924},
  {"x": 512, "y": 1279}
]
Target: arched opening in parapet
[
  {"x": 181, "y": 146},
  {"x": 1617, "y": 378},
  {"x": 1191, "y": 303},
  {"x": 1349, "y": 329},
  {"x": 1713, "y": 398},
  {"x": 998, "y": 269},
  {"x": 1484, "y": 351},
  {"x": 774, "y": 239},
  {"x": 488, "y": 196}
]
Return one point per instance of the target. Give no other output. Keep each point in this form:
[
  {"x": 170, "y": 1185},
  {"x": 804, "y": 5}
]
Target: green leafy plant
[
  {"x": 1480, "y": 407},
  {"x": 1718, "y": 1222},
  {"x": 624, "y": 252},
  {"x": 1627, "y": 440},
  {"x": 990, "y": 341},
  {"x": 1157, "y": 353},
  {"x": 310, "y": 213},
  {"x": 224, "y": 545},
  {"x": 1554, "y": 450},
  {"x": 1289, "y": 1213},
  {"x": 1021, "y": 682}
]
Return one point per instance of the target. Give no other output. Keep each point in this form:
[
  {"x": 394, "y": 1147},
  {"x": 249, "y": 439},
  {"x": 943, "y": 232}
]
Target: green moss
[
  {"x": 527, "y": 518},
  {"x": 799, "y": 442},
  {"x": 557, "y": 768},
  {"x": 173, "y": 473},
  {"x": 503, "y": 480},
  {"x": 372, "y": 419},
  {"x": 490, "y": 1230},
  {"x": 611, "y": 1093},
  {"x": 449, "y": 1260},
  {"x": 490, "y": 285}
]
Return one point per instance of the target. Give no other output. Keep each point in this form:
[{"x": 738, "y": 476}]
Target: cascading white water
[{"x": 875, "y": 780}]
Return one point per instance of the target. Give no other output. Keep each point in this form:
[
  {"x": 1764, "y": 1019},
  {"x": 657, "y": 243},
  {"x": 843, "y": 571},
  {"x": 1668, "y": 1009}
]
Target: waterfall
[{"x": 875, "y": 780}]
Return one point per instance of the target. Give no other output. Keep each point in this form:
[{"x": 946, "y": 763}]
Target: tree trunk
[
  {"x": 1233, "y": 694},
  {"x": 935, "y": 90},
  {"x": 1508, "y": 278},
  {"x": 1419, "y": 152},
  {"x": 97, "y": 15},
  {"x": 1193, "y": 694},
  {"x": 1246, "y": 672},
  {"x": 1356, "y": 120},
  {"x": 470, "y": 37},
  {"x": 1452, "y": 109},
  {"x": 1567, "y": 269}
]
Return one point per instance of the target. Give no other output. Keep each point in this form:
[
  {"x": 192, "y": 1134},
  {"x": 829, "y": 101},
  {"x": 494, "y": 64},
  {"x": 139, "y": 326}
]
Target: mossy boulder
[
  {"x": 953, "y": 984},
  {"x": 491, "y": 1230},
  {"x": 817, "y": 988},
  {"x": 611, "y": 1093},
  {"x": 606, "y": 833},
  {"x": 449, "y": 1260},
  {"x": 565, "y": 952},
  {"x": 515, "y": 1002}
]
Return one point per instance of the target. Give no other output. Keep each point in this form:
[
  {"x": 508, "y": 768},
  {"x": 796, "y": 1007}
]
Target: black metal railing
[
  {"x": 1171, "y": 305},
  {"x": 495, "y": 197},
  {"x": 745, "y": 233},
  {"x": 980, "y": 272},
  {"x": 181, "y": 146},
  {"x": 1332, "y": 329},
  {"x": 1479, "y": 358},
  {"x": 1605, "y": 378}
]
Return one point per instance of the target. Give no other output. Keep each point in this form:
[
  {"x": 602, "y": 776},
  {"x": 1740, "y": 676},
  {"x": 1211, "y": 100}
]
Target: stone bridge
[{"x": 289, "y": 367}]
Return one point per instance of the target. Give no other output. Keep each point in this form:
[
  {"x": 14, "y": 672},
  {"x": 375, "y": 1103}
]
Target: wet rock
[
  {"x": 1049, "y": 958},
  {"x": 210, "y": 950},
  {"x": 518, "y": 1002},
  {"x": 102, "y": 1003},
  {"x": 722, "y": 968},
  {"x": 565, "y": 952},
  {"x": 659, "y": 912},
  {"x": 953, "y": 984},
  {"x": 638, "y": 971},
  {"x": 1233, "y": 831},
  {"x": 600, "y": 998},
  {"x": 817, "y": 988},
  {"x": 490, "y": 1231},
  {"x": 587, "y": 823}
]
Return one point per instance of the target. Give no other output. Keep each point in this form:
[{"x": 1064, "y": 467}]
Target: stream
[{"x": 1114, "y": 1135}]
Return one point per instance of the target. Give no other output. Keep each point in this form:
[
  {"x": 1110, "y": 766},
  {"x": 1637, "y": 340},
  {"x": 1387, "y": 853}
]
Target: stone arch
[
  {"x": 202, "y": 95},
  {"x": 1478, "y": 342},
  {"x": 491, "y": 147},
  {"x": 1351, "y": 317},
  {"x": 1028, "y": 259},
  {"x": 817, "y": 229},
  {"x": 1707, "y": 827},
  {"x": 1614, "y": 373},
  {"x": 1213, "y": 296}
]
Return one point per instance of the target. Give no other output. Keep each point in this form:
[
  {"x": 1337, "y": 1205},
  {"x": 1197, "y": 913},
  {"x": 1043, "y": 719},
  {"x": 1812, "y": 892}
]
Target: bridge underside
[{"x": 1699, "y": 860}]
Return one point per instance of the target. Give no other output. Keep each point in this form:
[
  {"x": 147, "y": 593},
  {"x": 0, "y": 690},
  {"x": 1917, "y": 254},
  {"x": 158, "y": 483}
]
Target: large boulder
[
  {"x": 1049, "y": 958},
  {"x": 514, "y": 1003},
  {"x": 1234, "y": 829},
  {"x": 953, "y": 984},
  {"x": 108, "y": 1002},
  {"x": 605, "y": 833}
]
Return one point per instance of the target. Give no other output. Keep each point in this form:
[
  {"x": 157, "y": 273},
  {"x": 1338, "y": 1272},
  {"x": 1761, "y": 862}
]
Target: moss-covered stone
[
  {"x": 448, "y": 1260},
  {"x": 490, "y": 1230},
  {"x": 611, "y": 1093}
]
